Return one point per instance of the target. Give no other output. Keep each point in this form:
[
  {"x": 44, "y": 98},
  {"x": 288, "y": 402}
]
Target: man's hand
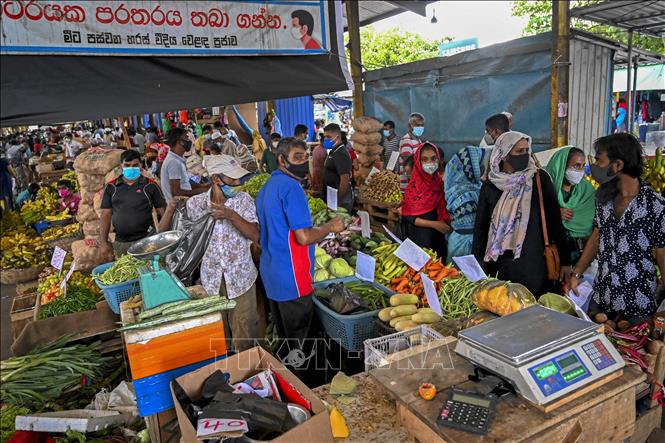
[
  {"x": 220, "y": 212},
  {"x": 106, "y": 248},
  {"x": 336, "y": 225},
  {"x": 572, "y": 284},
  {"x": 566, "y": 214},
  {"x": 565, "y": 272}
]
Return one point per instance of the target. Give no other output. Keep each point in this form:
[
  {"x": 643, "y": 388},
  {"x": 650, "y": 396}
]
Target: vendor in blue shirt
[{"x": 287, "y": 245}]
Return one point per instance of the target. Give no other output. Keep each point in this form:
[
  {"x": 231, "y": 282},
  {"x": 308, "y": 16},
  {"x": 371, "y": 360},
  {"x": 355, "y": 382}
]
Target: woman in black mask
[{"x": 508, "y": 234}]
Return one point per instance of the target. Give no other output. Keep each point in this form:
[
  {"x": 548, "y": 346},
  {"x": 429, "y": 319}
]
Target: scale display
[{"x": 559, "y": 372}]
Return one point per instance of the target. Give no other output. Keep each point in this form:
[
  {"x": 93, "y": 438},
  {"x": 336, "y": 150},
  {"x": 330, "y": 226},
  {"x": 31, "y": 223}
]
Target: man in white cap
[{"x": 227, "y": 268}]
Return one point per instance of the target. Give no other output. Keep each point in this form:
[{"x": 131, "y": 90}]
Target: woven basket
[
  {"x": 65, "y": 242},
  {"x": 13, "y": 276}
]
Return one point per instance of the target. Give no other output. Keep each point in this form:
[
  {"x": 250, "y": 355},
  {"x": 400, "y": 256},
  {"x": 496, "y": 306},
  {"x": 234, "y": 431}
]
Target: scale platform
[{"x": 543, "y": 353}]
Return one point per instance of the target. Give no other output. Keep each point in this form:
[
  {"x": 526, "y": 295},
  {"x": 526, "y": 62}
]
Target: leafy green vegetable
[
  {"x": 8, "y": 414},
  {"x": 77, "y": 299},
  {"x": 254, "y": 185},
  {"x": 316, "y": 205}
]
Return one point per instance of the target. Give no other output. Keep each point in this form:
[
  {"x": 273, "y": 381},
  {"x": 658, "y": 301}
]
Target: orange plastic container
[{"x": 176, "y": 350}]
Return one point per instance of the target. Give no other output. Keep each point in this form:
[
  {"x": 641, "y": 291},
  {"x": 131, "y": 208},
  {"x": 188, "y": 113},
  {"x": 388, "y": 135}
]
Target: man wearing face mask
[
  {"x": 206, "y": 134},
  {"x": 287, "y": 246},
  {"x": 227, "y": 268},
  {"x": 173, "y": 173},
  {"x": 629, "y": 226},
  {"x": 269, "y": 159},
  {"x": 338, "y": 166},
  {"x": 127, "y": 203},
  {"x": 494, "y": 127},
  {"x": 409, "y": 143},
  {"x": 302, "y": 27},
  {"x": 390, "y": 141}
]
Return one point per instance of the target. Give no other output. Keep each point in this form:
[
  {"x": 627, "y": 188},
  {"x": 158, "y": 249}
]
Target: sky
[{"x": 490, "y": 21}]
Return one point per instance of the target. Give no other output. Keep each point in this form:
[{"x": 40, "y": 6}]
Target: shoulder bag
[{"x": 551, "y": 252}]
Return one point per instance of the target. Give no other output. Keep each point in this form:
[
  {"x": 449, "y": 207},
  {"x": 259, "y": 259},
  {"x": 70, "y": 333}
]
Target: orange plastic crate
[{"x": 176, "y": 350}]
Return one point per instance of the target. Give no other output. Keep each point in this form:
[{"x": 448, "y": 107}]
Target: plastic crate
[
  {"x": 153, "y": 394},
  {"x": 41, "y": 226},
  {"x": 349, "y": 330},
  {"x": 378, "y": 349},
  {"x": 116, "y": 294}
]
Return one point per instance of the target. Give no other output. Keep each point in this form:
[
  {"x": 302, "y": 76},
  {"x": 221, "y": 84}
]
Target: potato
[
  {"x": 600, "y": 318},
  {"x": 623, "y": 325},
  {"x": 400, "y": 310}
]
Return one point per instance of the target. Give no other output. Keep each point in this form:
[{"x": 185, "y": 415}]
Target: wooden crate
[
  {"x": 659, "y": 374},
  {"x": 646, "y": 423},
  {"x": 22, "y": 312},
  {"x": 163, "y": 427},
  {"x": 381, "y": 214}
]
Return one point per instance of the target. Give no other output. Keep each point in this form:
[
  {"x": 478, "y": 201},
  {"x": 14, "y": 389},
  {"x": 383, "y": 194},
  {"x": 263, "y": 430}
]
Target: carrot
[
  {"x": 400, "y": 287},
  {"x": 395, "y": 281},
  {"x": 416, "y": 277}
]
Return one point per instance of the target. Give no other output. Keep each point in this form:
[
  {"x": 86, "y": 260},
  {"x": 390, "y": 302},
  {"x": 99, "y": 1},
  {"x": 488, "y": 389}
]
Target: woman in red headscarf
[{"x": 425, "y": 219}]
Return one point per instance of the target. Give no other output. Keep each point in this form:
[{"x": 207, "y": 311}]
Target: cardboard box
[{"x": 242, "y": 366}]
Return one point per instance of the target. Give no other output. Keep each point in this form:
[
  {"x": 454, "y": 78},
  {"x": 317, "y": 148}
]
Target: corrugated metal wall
[
  {"x": 293, "y": 111},
  {"x": 589, "y": 93}
]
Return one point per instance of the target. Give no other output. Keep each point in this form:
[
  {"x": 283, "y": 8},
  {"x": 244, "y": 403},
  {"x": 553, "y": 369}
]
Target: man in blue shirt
[{"x": 287, "y": 244}]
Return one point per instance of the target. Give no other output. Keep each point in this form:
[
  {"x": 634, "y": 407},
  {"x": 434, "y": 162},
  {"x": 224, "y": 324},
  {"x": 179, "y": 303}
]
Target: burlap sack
[
  {"x": 91, "y": 228},
  {"x": 361, "y": 148},
  {"x": 86, "y": 196},
  {"x": 367, "y": 161},
  {"x": 91, "y": 182},
  {"x": 86, "y": 213},
  {"x": 97, "y": 203},
  {"x": 97, "y": 161},
  {"x": 366, "y": 138},
  {"x": 87, "y": 254},
  {"x": 367, "y": 124}
]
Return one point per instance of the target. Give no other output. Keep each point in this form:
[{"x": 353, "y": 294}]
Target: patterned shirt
[
  {"x": 407, "y": 147},
  {"x": 389, "y": 147},
  {"x": 626, "y": 279},
  {"x": 228, "y": 255}
]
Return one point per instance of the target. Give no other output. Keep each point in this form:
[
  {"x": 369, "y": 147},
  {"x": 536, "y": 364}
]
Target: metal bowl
[{"x": 157, "y": 245}]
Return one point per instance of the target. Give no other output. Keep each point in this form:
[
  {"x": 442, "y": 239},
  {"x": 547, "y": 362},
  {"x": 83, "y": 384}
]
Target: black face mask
[
  {"x": 299, "y": 171},
  {"x": 518, "y": 162},
  {"x": 187, "y": 145},
  {"x": 602, "y": 174}
]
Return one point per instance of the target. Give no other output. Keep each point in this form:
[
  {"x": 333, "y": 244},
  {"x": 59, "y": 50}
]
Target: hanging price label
[
  {"x": 58, "y": 258},
  {"x": 392, "y": 161},
  {"x": 430, "y": 293},
  {"x": 364, "y": 224},
  {"x": 412, "y": 254},
  {"x": 365, "y": 266},
  {"x": 63, "y": 283},
  {"x": 393, "y": 236},
  {"x": 331, "y": 198}
]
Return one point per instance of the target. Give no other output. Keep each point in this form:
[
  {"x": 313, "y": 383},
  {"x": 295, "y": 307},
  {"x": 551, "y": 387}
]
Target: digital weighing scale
[{"x": 543, "y": 353}]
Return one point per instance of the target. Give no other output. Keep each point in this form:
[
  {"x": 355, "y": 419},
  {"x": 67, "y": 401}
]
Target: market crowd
[{"x": 493, "y": 201}]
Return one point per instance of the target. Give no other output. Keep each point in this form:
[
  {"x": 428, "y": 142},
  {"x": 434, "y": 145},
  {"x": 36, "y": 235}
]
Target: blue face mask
[
  {"x": 386, "y": 133},
  {"x": 418, "y": 130},
  {"x": 228, "y": 190},
  {"x": 328, "y": 144},
  {"x": 131, "y": 173}
]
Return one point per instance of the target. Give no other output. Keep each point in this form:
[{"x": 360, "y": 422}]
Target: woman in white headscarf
[{"x": 508, "y": 235}]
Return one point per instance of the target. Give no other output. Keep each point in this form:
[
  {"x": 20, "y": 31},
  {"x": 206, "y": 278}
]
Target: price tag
[
  {"x": 365, "y": 265},
  {"x": 412, "y": 254},
  {"x": 63, "y": 283},
  {"x": 371, "y": 173},
  {"x": 581, "y": 313},
  {"x": 213, "y": 426},
  {"x": 430, "y": 293},
  {"x": 58, "y": 258},
  {"x": 364, "y": 224},
  {"x": 392, "y": 161},
  {"x": 470, "y": 267},
  {"x": 393, "y": 236},
  {"x": 331, "y": 198}
]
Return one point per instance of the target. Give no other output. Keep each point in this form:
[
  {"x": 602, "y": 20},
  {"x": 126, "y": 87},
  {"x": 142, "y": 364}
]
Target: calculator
[{"x": 467, "y": 411}]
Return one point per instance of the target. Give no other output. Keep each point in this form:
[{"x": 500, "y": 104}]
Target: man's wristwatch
[{"x": 577, "y": 275}]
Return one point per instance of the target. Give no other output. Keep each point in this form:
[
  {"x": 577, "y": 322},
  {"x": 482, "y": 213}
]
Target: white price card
[
  {"x": 430, "y": 293},
  {"x": 579, "y": 311},
  {"x": 392, "y": 161},
  {"x": 470, "y": 267},
  {"x": 584, "y": 290},
  {"x": 63, "y": 283},
  {"x": 393, "y": 236},
  {"x": 371, "y": 173},
  {"x": 365, "y": 265},
  {"x": 331, "y": 198},
  {"x": 365, "y": 229},
  {"x": 214, "y": 426},
  {"x": 58, "y": 258},
  {"x": 412, "y": 254}
]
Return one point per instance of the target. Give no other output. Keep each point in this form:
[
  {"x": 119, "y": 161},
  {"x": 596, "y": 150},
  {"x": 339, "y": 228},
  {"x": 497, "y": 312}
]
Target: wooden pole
[
  {"x": 353, "y": 24},
  {"x": 629, "y": 89},
  {"x": 560, "y": 73}
]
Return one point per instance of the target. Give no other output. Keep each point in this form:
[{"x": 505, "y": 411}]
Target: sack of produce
[
  {"x": 501, "y": 297},
  {"x": 367, "y": 160},
  {"x": 86, "y": 213},
  {"x": 86, "y": 196},
  {"x": 97, "y": 161},
  {"x": 91, "y": 182},
  {"x": 365, "y": 138},
  {"x": 368, "y": 149},
  {"x": 97, "y": 203},
  {"x": 367, "y": 124},
  {"x": 44, "y": 167},
  {"x": 87, "y": 254},
  {"x": 91, "y": 228}
]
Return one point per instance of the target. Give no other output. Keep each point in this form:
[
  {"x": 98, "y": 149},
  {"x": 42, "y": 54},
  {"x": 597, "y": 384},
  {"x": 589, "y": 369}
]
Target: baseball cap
[{"x": 224, "y": 165}]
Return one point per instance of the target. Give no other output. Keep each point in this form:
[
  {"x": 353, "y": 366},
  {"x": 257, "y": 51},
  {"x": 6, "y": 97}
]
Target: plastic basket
[
  {"x": 116, "y": 294},
  {"x": 349, "y": 330},
  {"x": 378, "y": 350},
  {"x": 41, "y": 226}
]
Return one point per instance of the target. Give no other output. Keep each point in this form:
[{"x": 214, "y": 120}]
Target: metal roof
[
  {"x": 373, "y": 11},
  {"x": 643, "y": 16}
]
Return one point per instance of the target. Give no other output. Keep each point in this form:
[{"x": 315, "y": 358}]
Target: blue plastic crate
[
  {"x": 116, "y": 294},
  {"x": 153, "y": 394},
  {"x": 349, "y": 330},
  {"x": 41, "y": 226}
]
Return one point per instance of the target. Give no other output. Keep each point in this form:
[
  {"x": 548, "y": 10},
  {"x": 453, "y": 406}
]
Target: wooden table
[{"x": 605, "y": 414}]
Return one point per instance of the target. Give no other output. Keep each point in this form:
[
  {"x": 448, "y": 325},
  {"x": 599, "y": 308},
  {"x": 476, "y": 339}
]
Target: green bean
[{"x": 124, "y": 269}]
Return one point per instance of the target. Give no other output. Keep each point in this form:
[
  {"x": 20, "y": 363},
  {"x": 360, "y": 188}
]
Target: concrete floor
[{"x": 7, "y": 293}]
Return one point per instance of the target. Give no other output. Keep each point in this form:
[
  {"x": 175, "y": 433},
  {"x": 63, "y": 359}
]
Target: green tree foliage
[
  {"x": 539, "y": 13},
  {"x": 393, "y": 47}
]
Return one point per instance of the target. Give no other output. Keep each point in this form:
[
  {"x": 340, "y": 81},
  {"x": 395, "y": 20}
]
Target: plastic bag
[
  {"x": 478, "y": 318},
  {"x": 192, "y": 246},
  {"x": 341, "y": 299},
  {"x": 502, "y": 297}
]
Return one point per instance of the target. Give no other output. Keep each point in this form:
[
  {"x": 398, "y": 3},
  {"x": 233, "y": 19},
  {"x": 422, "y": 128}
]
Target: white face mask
[
  {"x": 574, "y": 176},
  {"x": 430, "y": 168},
  {"x": 274, "y": 144},
  {"x": 296, "y": 32}
]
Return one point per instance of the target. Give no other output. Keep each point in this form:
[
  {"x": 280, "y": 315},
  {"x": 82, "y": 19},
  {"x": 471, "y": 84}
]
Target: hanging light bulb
[{"x": 434, "y": 20}]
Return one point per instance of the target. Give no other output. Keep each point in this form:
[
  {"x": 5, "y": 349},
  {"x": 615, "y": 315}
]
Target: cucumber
[
  {"x": 404, "y": 325},
  {"x": 400, "y": 310},
  {"x": 396, "y": 320},
  {"x": 403, "y": 299},
  {"x": 425, "y": 310},
  {"x": 425, "y": 317},
  {"x": 384, "y": 314}
]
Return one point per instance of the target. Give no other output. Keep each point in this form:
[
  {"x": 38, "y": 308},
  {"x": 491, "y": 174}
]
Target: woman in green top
[
  {"x": 577, "y": 197},
  {"x": 269, "y": 159}
]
